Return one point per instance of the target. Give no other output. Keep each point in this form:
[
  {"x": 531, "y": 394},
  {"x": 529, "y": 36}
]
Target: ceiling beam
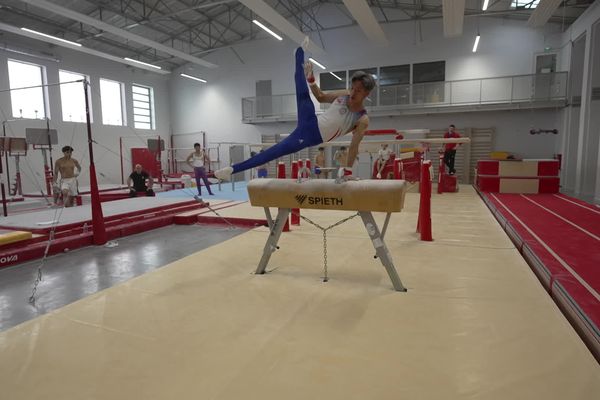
[
  {"x": 87, "y": 50},
  {"x": 543, "y": 12},
  {"x": 65, "y": 12},
  {"x": 365, "y": 18},
  {"x": 454, "y": 15},
  {"x": 283, "y": 25},
  {"x": 57, "y": 30}
]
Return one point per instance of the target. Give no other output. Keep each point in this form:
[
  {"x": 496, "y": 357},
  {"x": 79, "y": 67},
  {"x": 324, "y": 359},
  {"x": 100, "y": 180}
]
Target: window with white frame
[
  {"x": 143, "y": 107},
  {"x": 111, "y": 98},
  {"x": 524, "y": 4},
  {"x": 27, "y": 103},
  {"x": 72, "y": 99}
]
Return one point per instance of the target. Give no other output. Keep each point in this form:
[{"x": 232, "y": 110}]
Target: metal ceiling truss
[{"x": 201, "y": 26}]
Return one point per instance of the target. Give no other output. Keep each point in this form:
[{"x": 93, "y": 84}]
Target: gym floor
[
  {"x": 74, "y": 275},
  {"x": 475, "y": 322}
]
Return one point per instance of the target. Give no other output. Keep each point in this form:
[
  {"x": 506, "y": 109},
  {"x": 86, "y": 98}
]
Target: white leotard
[
  {"x": 338, "y": 120},
  {"x": 198, "y": 160},
  {"x": 384, "y": 154}
]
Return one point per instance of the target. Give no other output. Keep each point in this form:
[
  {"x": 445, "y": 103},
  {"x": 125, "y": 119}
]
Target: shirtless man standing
[
  {"x": 68, "y": 176},
  {"x": 320, "y": 163}
]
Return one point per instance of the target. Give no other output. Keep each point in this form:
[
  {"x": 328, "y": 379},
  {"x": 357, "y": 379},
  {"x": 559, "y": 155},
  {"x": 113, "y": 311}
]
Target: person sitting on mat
[
  {"x": 197, "y": 160},
  {"x": 68, "y": 176},
  {"x": 138, "y": 177},
  {"x": 383, "y": 157},
  {"x": 340, "y": 157},
  {"x": 346, "y": 114}
]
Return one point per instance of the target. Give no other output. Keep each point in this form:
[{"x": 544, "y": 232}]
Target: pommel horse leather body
[
  {"x": 363, "y": 196},
  {"x": 325, "y": 194}
]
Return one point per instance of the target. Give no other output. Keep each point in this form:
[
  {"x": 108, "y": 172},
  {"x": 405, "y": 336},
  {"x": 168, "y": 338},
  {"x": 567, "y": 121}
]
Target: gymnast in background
[{"x": 197, "y": 160}]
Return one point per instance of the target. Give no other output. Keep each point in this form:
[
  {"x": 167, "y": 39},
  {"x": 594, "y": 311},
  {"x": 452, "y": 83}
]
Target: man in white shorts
[{"x": 68, "y": 176}]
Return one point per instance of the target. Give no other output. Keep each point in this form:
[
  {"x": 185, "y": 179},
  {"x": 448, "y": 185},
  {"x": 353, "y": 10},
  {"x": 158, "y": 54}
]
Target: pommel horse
[{"x": 325, "y": 194}]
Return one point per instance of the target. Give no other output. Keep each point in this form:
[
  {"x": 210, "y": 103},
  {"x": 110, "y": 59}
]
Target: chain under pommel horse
[{"x": 362, "y": 196}]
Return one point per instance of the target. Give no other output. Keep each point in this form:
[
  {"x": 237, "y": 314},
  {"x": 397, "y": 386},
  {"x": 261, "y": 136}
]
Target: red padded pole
[
  {"x": 281, "y": 175},
  {"x": 424, "y": 219},
  {"x": 295, "y": 211},
  {"x": 281, "y": 170}
]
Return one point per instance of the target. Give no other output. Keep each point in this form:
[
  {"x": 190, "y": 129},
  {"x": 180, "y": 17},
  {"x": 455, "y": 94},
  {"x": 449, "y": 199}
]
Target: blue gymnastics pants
[{"x": 305, "y": 135}]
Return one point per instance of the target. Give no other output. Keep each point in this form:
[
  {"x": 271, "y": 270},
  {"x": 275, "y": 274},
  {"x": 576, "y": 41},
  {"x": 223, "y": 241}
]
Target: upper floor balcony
[{"x": 502, "y": 93}]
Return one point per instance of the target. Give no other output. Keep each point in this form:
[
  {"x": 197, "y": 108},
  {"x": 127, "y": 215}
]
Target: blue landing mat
[{"x": 226, "y": 193}]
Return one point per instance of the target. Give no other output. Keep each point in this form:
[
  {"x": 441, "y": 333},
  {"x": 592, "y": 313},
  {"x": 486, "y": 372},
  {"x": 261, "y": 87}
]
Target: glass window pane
[
  {"x": 327, "y": 81},
  {"x": 429, "y": 72},
  {"x": 141, "y": 111},
  {"x": 112, "y": 103},
  {"x": 26, "y": 103},
  {"x": 524, "y": 4},
  {"x": 141, "y": 97},
  {"x": 143, "y": 107},
  {"x": 139, "y": 89},
  {"x": 72, "y": 98},
  {"x": 394, "y": 75},
  {"x": 141, "y": 125},
  {"x": 141, "y": 118}
]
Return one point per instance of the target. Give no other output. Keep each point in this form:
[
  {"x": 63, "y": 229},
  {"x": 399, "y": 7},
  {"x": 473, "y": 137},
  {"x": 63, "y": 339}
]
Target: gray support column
[
  {"x": 583, "y": 116},
  {"x": 274, "y": 234},
  {"x": 381, "y": 249}
]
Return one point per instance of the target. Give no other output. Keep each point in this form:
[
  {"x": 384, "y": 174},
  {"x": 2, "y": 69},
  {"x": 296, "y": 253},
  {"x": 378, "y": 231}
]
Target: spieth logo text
[{"x": 318, "y": 200}]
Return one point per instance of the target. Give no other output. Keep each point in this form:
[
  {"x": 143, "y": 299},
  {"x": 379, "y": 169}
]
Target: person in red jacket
[{"x": 450, "y": 149}]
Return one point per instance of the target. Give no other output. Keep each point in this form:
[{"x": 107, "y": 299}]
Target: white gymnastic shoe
[
  {"x": 224, "y": 174},
  {"x": 344, "y": 175},
  {"x": 305, "y": 43}
]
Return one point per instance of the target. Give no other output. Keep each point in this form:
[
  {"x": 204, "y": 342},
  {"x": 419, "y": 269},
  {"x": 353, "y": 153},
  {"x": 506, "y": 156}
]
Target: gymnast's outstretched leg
[{"x": 305, "y": 135}]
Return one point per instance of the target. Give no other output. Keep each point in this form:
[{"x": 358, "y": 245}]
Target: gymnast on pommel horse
[
  {"x": 325, "y": 194},
  {"x": 346, "y": 114}
]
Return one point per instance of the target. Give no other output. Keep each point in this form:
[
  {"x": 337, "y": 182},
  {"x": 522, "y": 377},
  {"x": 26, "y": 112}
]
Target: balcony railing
[{"x": 519, "y": 91}]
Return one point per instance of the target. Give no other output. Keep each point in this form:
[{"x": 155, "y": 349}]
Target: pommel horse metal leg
[
  {"x": 381, "y": 249},
  {"x": 276, "y": 227}
]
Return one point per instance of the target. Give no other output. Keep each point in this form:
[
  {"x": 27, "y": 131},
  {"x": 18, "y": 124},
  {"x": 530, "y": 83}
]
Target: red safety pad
[
  {"x": 375, "y": 132},
  {"x": 488, "y": 183},
  {"x": 548, "y": 168},
  {"x": 577, "y": 249},
  {"x": 488, "y": 167},
  {"x": 147, "y": 159},
  {"x": 449, "y": 183},
  {"x": 549, "y": 185}
]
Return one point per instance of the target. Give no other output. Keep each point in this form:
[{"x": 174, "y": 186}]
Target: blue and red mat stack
[{"x": 559, "y": 236}]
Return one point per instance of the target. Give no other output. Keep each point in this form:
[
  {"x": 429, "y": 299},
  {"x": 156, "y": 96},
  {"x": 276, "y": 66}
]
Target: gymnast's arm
[
  {"x": 321, "y": 96},
  {"x": 56, "y": 171},
  {"x": 78, "y": 166},
  {"x": 357, "y": 135}
]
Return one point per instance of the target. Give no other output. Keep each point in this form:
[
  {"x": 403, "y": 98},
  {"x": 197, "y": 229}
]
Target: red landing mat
[{"x": 560, "y": 238}]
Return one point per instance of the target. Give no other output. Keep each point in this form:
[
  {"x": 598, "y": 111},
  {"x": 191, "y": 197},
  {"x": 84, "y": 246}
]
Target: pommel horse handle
[{"x": 325, "y": 194}]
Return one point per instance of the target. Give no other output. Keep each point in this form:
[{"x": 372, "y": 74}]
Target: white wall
[
  {"x": 106, "y": 153},
  {"x": 582, "y": 163},
  {"x": 506, "y": 48}
]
